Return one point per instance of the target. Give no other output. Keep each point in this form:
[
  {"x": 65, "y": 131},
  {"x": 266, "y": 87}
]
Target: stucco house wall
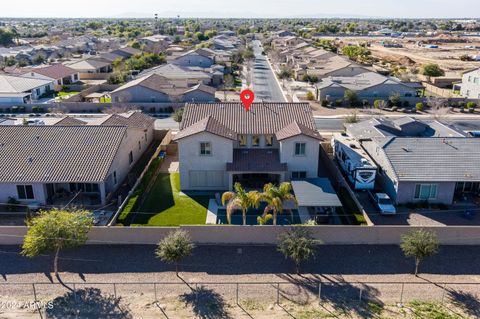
[
  {"x": 307, "y": 163},
  {"x": 194, "y": 59},
  {"x": 191, "y": 160},
  {"x": 139, "y": 94}
]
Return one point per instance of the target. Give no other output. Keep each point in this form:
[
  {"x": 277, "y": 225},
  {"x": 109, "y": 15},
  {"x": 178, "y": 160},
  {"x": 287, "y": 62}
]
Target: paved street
[{"x": 265, "y": 85}]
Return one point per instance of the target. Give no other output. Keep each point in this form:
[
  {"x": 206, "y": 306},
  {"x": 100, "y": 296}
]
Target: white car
[{"x": 384, "y": 204}]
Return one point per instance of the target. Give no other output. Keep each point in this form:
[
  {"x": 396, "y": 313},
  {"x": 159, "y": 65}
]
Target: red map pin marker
[{"x": 247, "y": 97}]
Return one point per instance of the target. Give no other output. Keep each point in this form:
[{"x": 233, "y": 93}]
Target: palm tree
[
  {"x": 275, "y": 196},
  {"x": 240, "y": 199}
]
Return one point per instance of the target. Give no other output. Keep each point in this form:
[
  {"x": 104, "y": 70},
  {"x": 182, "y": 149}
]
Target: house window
[
  {"x": 269, "y": 140},
  {"x": 255, "y": 140},
  {"x": 146, "y": 137},
  {"x": 38, "y": 92},
  {"x": 205, "y": 148},
  {"x": 425, "y": 191},
  {"x": 300, "y": 149},
  {"x": 242, "y": 140},
  {"x": 130, "y": 157},
  {"x": 299, "y": 175},
  {"x": 25, "y": 192}
]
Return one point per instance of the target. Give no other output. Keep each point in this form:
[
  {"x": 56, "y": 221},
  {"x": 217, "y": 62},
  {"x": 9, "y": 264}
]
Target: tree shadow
[
  {"x": 206, "y": 303},
  {"x": 87, "y": 303},
  {"x": 467, "y": 301},
  {"x": 342, "y": 295}
]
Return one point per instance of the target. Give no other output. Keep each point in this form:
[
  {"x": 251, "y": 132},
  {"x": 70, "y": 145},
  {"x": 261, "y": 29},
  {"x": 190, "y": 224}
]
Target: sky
[{"x": 243, "y": 8}]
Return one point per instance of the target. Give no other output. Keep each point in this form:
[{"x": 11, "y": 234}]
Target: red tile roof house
[
  {"x": 58, "y": 73},
  {"x": 221, "y": 143}
]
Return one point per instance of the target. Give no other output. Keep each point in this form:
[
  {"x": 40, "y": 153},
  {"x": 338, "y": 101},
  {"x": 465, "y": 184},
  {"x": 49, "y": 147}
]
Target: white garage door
[{"x": 207, "y": 179}]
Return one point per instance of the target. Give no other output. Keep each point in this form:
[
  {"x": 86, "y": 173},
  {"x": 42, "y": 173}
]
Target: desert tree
[
  {"x": 174, "y": 247},
  {"x": 419, "y": 244},
  {"x": 298, "y": 245},
  {"x": 55, "y": 230}
]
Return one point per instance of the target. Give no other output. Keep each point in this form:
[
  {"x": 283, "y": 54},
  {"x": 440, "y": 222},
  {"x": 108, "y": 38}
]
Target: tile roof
[
  {"x": 173, "y": 71},
  {"x": 435, "y": 159},
  {"x": 133, "y": 119},
  {"x": 208, "y": 124},
  {"x": 60, "y": 154},
  {"x": 70, "y": 121},
  {"x": 295, "y": 129},
  {"x": 19, "y": 84},
  {"x": 262, "y": 118},
  {"x": 56, "y": 71},
  {"x": 256, "y": 160}
]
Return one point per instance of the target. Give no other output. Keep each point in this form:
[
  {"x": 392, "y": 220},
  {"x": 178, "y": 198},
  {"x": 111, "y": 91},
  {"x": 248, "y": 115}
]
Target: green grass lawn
[
  {"x": 63, "y": 93},
  {"x": 164, "y": 206}
]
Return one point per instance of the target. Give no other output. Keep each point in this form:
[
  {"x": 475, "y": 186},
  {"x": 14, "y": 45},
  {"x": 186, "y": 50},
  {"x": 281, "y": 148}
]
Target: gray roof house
[
  {"x": 433, "y": 169},
  {"x": 69, "y": 161},
  {"x": 154, "y": 88},
  {"x": 221, "y": 143},
  {"x": 419, "y": 160},
  {"x": 368, "y": 85},
  {"x": 21, "y": 89},
  {"x": 204, "y": 58},
  {"x": 180, "y": 74}
]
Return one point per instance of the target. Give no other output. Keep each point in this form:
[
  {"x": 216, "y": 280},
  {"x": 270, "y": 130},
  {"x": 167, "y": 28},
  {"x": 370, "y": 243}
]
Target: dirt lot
[{"x": 447, "y": 55}]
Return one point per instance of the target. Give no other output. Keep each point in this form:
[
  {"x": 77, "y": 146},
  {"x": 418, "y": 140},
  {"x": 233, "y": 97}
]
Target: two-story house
[
  {"x": 470, "y": 87},
  {"x": 222, "y": 143}
]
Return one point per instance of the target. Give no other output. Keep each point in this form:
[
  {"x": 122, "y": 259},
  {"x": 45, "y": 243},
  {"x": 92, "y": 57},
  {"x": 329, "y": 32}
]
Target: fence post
[
  {"x": 34, "y": 293},
  {"x": 278, "y": 293},
  {"x": 320, "y": 291},
  {"x": 74, "y": 293},
  {"x": 401, "y": 293},
  {"x": 196, "y": 293},
  {"x": 237, "y": 293},
  {"x": 360, "y": 295},
  {"x": 155, "y": 291},
  {"x": 444, "y": 290},
  {"x": 115, "y": 290}
]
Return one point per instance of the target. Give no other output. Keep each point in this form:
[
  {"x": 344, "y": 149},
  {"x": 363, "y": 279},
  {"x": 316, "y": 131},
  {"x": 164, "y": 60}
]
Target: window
[
  {"x": 242, "y": 140},
  {"x": 130, "y": 158},
  {"x": 298, "y": 175},
  {"x": 38, "y": 92},
  {"x": 269, "y": 140},
  {"x": 425, "y": 191},
  {"x": 300, "y": 149},
  {"x": 255, "y": 140},
  {"x": 139, "y": 145},
  {"x": 205, "y": 148},
  {"x": 146, "y": 137},
  {"x": 25, "y": 192}
]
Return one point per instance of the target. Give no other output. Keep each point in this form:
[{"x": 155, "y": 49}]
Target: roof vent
[{"x": 30, "y": 159}]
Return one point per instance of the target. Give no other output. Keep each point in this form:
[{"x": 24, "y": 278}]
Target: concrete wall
[
  {"x": 261, "y": 235},
  {"x": 307, "y": 163}
]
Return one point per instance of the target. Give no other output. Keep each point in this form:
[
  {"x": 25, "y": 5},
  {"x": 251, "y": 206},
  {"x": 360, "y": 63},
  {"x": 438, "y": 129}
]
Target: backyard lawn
[{"x": 164, "y": 206}]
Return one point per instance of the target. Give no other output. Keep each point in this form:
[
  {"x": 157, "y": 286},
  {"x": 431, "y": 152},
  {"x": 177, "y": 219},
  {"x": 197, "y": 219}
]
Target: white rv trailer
[{"x": 355, "y": 162}]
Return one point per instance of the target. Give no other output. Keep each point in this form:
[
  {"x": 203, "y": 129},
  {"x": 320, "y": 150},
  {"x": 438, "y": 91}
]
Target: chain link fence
[{"x": 41, "y": 298}]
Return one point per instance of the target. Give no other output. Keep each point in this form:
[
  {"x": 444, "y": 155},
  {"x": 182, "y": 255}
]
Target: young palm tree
[
  {"x": 240, "y": 199},
  {"x": 275, "y": 196}
]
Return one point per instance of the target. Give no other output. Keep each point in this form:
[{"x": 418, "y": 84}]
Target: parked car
[{"x": 384, "y": 204}]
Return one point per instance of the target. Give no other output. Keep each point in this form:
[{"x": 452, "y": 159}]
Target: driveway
[{"x": 265, "y": 85}]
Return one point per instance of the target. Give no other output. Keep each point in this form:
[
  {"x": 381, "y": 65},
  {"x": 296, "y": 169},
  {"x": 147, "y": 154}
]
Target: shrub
[
  {"x": 324, "y": 103},
  {"x": 406, "y": 104},
  {"x": 310, "y": 96},
  {"x": 379, "y": 104},
  {"x": 471, "y": 105},
  {"x": 339, "y": 102},
  {"x": 365, "y": 103},
  {"x": 395, "y": 99},
  {"x": 419, "y": 106},
  {"x": 431, "y": 69}
]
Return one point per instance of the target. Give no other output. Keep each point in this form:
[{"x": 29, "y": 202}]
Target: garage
[{"x": 208, "y": 179}]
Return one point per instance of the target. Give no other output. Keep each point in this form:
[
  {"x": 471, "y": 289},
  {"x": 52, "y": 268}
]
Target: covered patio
[{"x": 317, "y": 200}]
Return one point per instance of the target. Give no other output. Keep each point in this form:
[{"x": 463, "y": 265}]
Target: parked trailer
[{"x": 354, "y": 161}]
